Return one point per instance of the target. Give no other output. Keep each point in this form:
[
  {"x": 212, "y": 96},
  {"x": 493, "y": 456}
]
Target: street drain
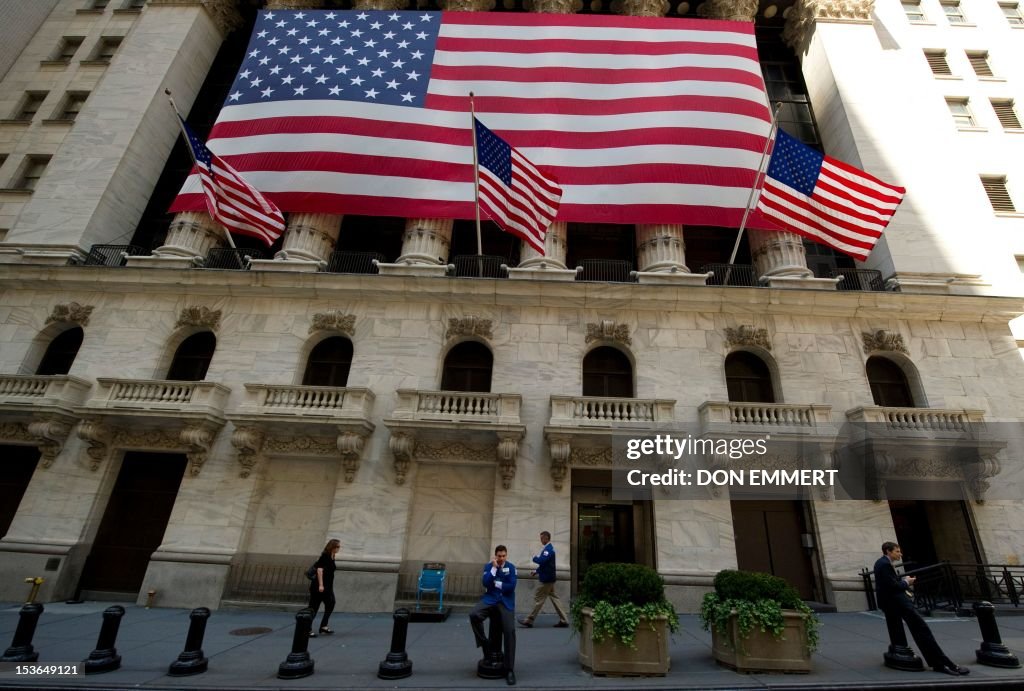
[{"x": 250, "y": 631}]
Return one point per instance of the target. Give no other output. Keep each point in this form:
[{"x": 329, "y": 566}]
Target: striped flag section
[
  {"x": 513, "y": 193},
  {"x": 826, "y": 200},
  {"x": 233, "y": 202},
  {"x": 640, "y": 119}
]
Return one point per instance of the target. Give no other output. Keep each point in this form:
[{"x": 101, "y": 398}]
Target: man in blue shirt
[
  {"x": 545, "y": 561},
  {"x": 499, "y": 599}
]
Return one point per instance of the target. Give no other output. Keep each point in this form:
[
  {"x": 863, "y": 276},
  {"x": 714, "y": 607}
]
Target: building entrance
[
  {"x": 19, "y": 462},
  {"x": 930, "y": 532},
  {"x": 772, "y": 537},
  {"x": 134, "y": 522}
]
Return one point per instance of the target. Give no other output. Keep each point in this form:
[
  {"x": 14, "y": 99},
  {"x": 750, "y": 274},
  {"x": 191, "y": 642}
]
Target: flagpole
[
  {"x": 753, "y": 191},
  {"x": 188, "y": 145},
  {"x": 476, "y": 176}
]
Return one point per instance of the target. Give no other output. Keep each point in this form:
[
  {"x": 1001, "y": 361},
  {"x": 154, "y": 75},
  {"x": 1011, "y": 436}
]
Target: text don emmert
[{"x": 734, "y": 478}]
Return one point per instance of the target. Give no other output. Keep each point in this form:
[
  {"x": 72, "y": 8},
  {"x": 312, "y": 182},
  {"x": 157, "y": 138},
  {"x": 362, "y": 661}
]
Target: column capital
[
  {"x": 736, "y": 10},
  {"x": 467, "y": 5},
  {"x": 555, "y": 6},
  {"x": 645, "y": 8},
  {"x": 805, "y": 13}
]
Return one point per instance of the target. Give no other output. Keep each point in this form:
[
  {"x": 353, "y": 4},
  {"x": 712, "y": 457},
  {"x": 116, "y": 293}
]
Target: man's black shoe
[
  {"x": 953, "y": 670},
  {"x": 962, "y": 671},
  {"x": 526, "y": 623},
  {"x": 510, "y": 678}
]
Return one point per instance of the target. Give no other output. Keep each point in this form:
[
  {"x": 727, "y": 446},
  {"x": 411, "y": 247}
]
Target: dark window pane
[
  {"x": 329, "y": 363},
  {"x": 192, "y": 358},
  {"x": 60, "y": 354},
  {"x": 607, "y": 372},
  {"x": 889, "y": 385},
  {"x": 747, "y": 379},
  {"x": 467, "y": 367}
]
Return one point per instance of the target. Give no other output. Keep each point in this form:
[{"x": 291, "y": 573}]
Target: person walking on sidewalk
[
  {"x": 545, "y": 561},
  {"x": 897, "y": 602},
  {"x": 321, "y": 588},
  {"x": 499, "y": 599}
]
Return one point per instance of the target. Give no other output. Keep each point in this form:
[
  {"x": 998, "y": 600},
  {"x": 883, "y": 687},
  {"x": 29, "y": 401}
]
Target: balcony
[
  {"x": 744, "y": 419},
  {"x": 158, "y": 398},
  {"x": 918, "y": 422},
  {"x": 325, "y": 421},
  {"x": 40, "y": 410},
  {"x": 456, "y": 428}
]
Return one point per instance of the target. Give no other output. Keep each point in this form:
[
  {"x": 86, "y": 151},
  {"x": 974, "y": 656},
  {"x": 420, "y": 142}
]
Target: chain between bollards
[
  {"x": 192, "y": 660},
  {"x": 21, "y": 649}
]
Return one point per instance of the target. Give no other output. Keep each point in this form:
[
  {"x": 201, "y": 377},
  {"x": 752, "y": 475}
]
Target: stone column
[{"x": 190, "y": 236}]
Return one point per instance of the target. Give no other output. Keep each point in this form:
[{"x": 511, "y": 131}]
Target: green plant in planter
[
  {"x": 620, "y": 595},
  {"x": 758, "y": 600}
]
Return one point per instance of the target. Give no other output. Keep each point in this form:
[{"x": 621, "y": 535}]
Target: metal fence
[
  {"x": 731, "y": 275},
  {"x": 480, "y": 266},
  {"x": 342, "y": 262},
  {"x": 947, "y": 586},
  {"x": 858, "y": 279},
  {"x": 612, "y": 270},
  {"x": 231, "y": 258},
  {"x": 268, "y": 582},
  {"x": 112, "y": 255}
]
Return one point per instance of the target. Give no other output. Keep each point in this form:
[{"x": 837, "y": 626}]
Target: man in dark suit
[
  {"x": 896, "y": 600},
  {"x": 499, "y": 581}
]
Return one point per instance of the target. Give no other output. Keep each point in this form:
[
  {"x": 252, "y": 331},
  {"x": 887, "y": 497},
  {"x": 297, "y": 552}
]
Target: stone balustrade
[
  {"x": 457, "y": 406},
  {"x": 592, "y": 410},
  {"x": 159, "y": 395},
  {"x": 765, "y": 414},
  {"x": 930, "y": 420},
  {"x": 42, "y": 390},
  {"x": 308, "y": 400}
]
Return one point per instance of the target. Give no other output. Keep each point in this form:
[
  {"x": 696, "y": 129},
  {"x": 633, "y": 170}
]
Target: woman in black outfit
[{"x": 321, "y": 588}]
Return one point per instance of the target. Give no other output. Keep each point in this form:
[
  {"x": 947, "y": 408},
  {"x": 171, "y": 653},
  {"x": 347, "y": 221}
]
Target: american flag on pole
[
  {"x": 640, "y": 119},
  {"x": 826, "y": 200},
  {"x": 516, "y": 196},
  {"x": 233, "y": 202}
]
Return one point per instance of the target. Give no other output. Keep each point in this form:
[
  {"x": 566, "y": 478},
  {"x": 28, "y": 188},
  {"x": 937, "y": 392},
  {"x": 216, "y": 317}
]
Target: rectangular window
[
  {"x": 32, "y": 171},
  {"x": 73, "y": 103},
  {"x": 1006, "y": 114},
  {"x": 1012, "y": 13},
  {"x": 107, "y": 47},
  {"x": 979, "y": 62},
  {"x": 954, "y": 13},
  {"x": 937, "y": 62},
  {"x": 913, "y": 10},
  {"x": 69, "y": 45},
  {"x": 998, "y": 195},
  {"x": 30, "y": 105},
  {"x": 98, "y": 4},
  {"x": 961, "y": 112},
  {"x": 134, "y": 4}
]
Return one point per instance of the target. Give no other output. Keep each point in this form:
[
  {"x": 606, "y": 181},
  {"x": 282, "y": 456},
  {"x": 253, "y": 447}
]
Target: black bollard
[
  {"x": 492, "y": 666},
  {"x": 900, "y": 656},
  {"x": 192, "y": 660},
  {"x": 105, "y": 657},
  {"x": 992, "y": 651},
  {"x": 21, "y": 649},
  {"x": 397, "y": 664},
  {"x": 298, "y": 664}
]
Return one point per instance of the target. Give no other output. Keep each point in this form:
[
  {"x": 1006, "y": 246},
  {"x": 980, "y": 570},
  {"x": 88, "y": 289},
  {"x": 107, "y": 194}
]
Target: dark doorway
[
  {"x": 19, "y": 462},
  {"x": 933, "y": 531},
  {"x": 769, "y": 538},
  {"x": 61, "y": 352},
  {"x": 134, "y": 522}
]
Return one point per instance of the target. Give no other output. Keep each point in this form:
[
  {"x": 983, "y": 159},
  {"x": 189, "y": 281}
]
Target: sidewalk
[{"x": 443, "y": 655}]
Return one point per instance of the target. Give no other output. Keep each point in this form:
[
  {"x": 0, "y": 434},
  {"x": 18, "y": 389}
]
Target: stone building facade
[{"x": 195, "y": 431}]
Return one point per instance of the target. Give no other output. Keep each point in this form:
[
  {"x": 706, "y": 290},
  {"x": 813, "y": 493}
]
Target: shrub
[
  {"x": 758, "y": 600},
  {"x": 620, "y": 595}
]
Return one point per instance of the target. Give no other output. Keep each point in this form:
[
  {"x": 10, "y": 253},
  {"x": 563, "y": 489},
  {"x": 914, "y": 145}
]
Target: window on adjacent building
[
  {"x": 1011, "y": 10},
  {"x": 30, "y": 105},
  {"x": 998, "y": 195},
  {"x": 1007, "y": 114},
  {"x": 73, "y": 103},
  {"x": 329, "y": 363},
  {"x": 937, "y": 62},
  {"x": 33, "y": 169},
  {"x": 134, "y": 4},
  {"x": 106, "y": 48},
  {"x": 748, "y": 379},
  {"x": 979, "y": 61},
  {"x": 954, "y": 13},
  {"x": 61, "y": 352},
  {"x": 913, "y": 10},
  {"x": 192, "y": 358},
  {"x": 889, "y": 385},
  {"x": 1020, "y": 263},
  {"x": 98, "y": 4},
  {"x": 608, "y": 373},
  {"x": 67, "y": 48},
  {"x": 961, "y": 111},
  {"x": 467, "y": 367}
]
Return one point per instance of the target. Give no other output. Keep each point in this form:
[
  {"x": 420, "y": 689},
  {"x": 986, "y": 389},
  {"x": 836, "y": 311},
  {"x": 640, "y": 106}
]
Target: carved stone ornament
[
  {"x": 735, "y": 10},
  {"x": 508, "y": 452},
  {"x": 50, "y": 433},
  {"x": 747, "y": 335},
  {"x": 561, "y": 449},
  {"x": 591, "y": 457},
  {"x": 97, "y": 436},
  {"x": 334, "y": 321},
  {"x": 554, "y": 6},
  {"x": 883, "y": 340},
  {"x": 197, "y": 439},
  {"x": 317, "y": 446},
  {"x": 249, "y": 443},
  {"x": 608, "y": 330},
  {"x": 455, "y": 451},
  {"x": 469, "y": 326},
  {"x": 223, "y": 12},
  {"x": 199, "y": 316},
  {"x": 978, "y": 476},
  {"x": 72, "y": 312},
  {"x": 350, "y": 446},
  {"x": 645, "y": 8},
  {"x": 805, "y": 13},
  {"x": 15, "y": 431},
  {"x": 403, "y": 446}
]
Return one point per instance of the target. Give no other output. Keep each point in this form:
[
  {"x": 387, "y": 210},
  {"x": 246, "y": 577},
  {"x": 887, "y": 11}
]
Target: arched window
[
  {"x": 889, "y": 386},
  {"x": 467, "y": 367},
  {"x": 748, "y": 379},
  {"x": 192, "y": 358},
  {"x": 329, "y": 363},
  {"x": 607, "y": 372},
  {"x": 61, "y": 352}
]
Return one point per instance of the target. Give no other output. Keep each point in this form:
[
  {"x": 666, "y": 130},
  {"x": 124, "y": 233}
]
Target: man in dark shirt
[
  {"x": 499, "y": 581},
  {"x": 896, "y": 600}
]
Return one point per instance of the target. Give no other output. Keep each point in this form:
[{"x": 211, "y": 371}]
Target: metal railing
[
  {"x": 112, "y": 255},
  {"x": 238, "y": 258},
  {"x": 858, "y": 279},
  {"x": 480, "y": 266},
  {"x": 608, "y": 270},
  {"x": 731, "y": 274},
  {"x": 267, "y": 582},
  {"x": 947, "y": 586},
  {"x": 353, "y": 262}
]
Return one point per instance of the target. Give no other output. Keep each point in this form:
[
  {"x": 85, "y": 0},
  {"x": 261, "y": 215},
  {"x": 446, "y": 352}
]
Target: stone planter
[
  {"x": 650, "y": 659},
  {"x": 761, "y": 651}
]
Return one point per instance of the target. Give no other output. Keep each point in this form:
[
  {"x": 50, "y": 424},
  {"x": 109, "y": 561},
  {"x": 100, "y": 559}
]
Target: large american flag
[
  {"x": 641, "y": 120},
  {"x": 516, "y": 196},
  {"x": 826, "y": 200}
]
